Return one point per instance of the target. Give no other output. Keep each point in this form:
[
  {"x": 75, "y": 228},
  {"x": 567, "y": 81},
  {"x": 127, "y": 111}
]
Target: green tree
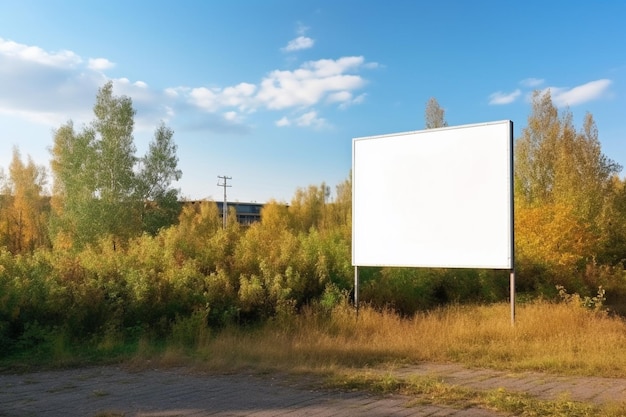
[
  {"x": 75, "y": 220},
  {"x": 614, "y": 225},
  {"x": 562, "y": 174},
  {"x": 159, "y": 169},
  {"x": 100, "y": 189},
  {"x": 115, "y": 161},
  {"x": 595, "y": 173},
  {"x": 434, "y": 115},
  {"x": 556, "y": 164}
]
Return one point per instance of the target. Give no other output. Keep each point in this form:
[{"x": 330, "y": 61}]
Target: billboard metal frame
[{"x": 464, "y": 174}]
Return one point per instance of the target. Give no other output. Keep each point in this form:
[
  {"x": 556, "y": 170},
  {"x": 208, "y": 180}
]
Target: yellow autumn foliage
[{"x": 552, "y": 236}]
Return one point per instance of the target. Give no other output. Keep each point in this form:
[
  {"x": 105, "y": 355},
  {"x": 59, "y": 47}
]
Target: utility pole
[{"x": 225, "y": 205}]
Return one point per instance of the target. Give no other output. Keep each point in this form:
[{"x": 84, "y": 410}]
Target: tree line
[
  {"x": 99, "y": 186},
  {"x": 570, "y": 202},
  {"x": 112, "y": 249}
]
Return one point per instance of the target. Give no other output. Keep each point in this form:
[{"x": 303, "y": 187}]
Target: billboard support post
[
  {"x": 512, "y": 289},
  {"x": 512, "y": 232},
  {"x": 356, "y": 290}
]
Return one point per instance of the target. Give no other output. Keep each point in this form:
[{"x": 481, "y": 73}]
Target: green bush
[{"x": 197, "y": 275}]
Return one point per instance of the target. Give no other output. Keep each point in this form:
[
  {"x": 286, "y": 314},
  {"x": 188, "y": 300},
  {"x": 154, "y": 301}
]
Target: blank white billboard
[{"x": 434, "y": 198}]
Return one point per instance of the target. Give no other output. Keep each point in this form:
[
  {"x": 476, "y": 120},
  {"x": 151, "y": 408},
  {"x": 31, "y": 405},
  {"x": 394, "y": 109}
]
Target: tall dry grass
[{"x": 558, "y": 338}]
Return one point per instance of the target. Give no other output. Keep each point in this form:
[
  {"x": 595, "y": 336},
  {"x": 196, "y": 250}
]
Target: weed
[
  {"x": 592, "y": 303},
  {"x": 190, "y": 331},
  {"x": 423, "y": 390}
]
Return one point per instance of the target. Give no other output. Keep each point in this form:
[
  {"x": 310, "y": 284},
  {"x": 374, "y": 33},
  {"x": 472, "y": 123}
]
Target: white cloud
[
  {"x": 310, "y": 84},
  {"x": 100, "y": 64},
  {"x": 328, "y": 67},
  {"x": 239, "y": 96},
  {"x": 499, "y": 98},
  {"x": 40, "y": 117},
  {"x": 323, "y": 81},
  {"x": 590, "y": 91},
  {"x": 340, "y": 96},
  {"x": 299, "y": 43},
  {"x": 204, "y": 98},
  {"x": 359, "y": 99},
  {"x": 345, "y": 99},
  {"x": 231, "y": 116},
  {"x": 37, "y": 55},
  {"x": 53, "y": 87},
  {"x": 532, "y": 82},
  {"x": 284, "y": 121},
  {"x": 50, "y": 88},
  {"x": 307, "y": 119},
  {"x": 43, "y": 87},
  {"x": 310, "y": 119},
  {"x": 172, "y": 92}
]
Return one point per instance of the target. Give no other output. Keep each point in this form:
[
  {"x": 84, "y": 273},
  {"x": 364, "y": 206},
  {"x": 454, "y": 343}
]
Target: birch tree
[
  {"x": 159, "y": 168},
  {"x": 99, "y": 188},
  {"x": 434, "y": 115},
  {"x": 564, "y": 191}
]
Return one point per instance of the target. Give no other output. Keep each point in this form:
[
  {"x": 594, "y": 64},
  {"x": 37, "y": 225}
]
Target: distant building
[{"x": 247, "y": 213}]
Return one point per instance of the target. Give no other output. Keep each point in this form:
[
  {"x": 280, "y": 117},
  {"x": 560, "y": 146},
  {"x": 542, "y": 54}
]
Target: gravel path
[{"x": 110, "y": 391}]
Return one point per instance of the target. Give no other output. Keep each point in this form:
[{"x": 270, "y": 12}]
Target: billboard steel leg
[{"x": 512, "y": 288}]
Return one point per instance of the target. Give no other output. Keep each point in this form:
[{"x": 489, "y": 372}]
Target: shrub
[{"x": 595, "y": 303}]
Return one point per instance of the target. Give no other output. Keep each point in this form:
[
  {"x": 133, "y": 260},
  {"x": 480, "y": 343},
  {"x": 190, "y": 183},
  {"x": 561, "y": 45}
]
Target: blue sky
[{"x": 272, "y": 92}]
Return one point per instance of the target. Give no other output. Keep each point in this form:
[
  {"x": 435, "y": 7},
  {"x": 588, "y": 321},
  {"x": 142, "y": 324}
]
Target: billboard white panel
[{"x": 434, "y": 198}]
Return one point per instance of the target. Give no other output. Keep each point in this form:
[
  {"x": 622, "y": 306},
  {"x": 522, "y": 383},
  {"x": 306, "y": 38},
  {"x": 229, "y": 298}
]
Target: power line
[{"x": 225, "y": 205}]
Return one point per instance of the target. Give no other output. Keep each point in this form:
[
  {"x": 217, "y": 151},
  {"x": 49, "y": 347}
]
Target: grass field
[
  {"x": 558, "y": 338},
  {"x": 562, "y": 338}
]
